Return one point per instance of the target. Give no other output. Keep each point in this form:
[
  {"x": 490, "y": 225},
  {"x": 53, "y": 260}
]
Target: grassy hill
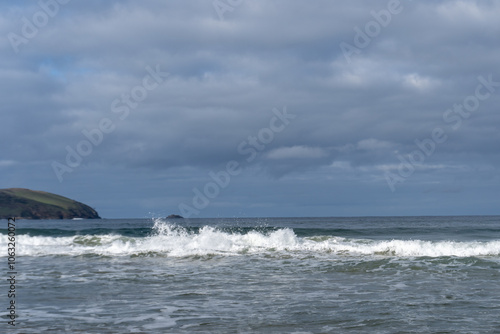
[{"x": 31, "y": 204}]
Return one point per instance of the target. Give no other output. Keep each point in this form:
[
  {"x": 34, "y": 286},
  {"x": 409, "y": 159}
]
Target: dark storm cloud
[{"x": 355, "y": 114}]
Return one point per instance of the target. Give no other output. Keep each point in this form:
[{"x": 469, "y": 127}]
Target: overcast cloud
[{"x": 254, "y": 108}]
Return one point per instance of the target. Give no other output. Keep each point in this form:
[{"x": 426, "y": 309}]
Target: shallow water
[{"x": 286, "y": 275}]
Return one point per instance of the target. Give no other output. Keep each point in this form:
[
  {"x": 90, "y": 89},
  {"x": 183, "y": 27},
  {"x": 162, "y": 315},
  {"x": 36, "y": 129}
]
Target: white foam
[{"x": 175, "y": 241}]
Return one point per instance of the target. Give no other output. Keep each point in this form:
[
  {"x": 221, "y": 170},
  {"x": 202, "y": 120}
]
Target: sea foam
[{"x": 172, "y": 240}]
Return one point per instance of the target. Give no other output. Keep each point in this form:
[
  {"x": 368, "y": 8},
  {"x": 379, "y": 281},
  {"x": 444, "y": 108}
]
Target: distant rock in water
[
  {"x": 174, "y": 217},
  {"x": 31, "y": 204}
]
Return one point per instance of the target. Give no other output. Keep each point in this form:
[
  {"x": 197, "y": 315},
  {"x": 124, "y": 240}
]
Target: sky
[{"x": 237, "y": 108}]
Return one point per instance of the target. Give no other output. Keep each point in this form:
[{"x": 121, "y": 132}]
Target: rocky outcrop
[
  {"x": 30, "y": 204},
  {"x": 174, "y": 217}
]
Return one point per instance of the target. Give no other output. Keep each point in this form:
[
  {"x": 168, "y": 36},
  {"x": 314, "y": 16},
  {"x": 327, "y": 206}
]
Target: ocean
[{"x": 254, "y": 275}]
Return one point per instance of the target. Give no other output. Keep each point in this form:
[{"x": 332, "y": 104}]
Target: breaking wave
[{"x": 172, "y": 240}]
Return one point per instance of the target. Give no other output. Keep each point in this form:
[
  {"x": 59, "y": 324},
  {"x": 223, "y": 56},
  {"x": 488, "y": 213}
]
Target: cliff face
[{"x": 30, "y": 204}]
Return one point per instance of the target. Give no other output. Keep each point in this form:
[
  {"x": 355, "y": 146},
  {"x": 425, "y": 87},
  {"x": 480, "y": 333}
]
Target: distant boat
[
  {"x": 77, "y": 219},
  {"x": 174, "y": 217}
]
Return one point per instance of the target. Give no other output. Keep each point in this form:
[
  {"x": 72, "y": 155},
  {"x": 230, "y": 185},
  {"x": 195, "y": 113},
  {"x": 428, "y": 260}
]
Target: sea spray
[
  {"x": 317, "y": 275},
  {"x": 167, "y": 239}
]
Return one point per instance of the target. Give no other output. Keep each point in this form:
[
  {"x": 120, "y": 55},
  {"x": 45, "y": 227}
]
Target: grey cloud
[{"x": 227, "y": 76}]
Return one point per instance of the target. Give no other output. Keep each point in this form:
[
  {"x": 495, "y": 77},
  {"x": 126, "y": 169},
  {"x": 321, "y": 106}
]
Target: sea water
[{"x": 276, "y": 275}]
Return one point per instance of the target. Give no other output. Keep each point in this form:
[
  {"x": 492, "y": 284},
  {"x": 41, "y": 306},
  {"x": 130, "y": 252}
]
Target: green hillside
[{"x": 31, "y": 204}]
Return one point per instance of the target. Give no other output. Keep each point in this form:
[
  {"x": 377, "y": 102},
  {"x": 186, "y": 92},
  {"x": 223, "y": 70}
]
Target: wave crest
[{"x": 172, "y": 240}]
